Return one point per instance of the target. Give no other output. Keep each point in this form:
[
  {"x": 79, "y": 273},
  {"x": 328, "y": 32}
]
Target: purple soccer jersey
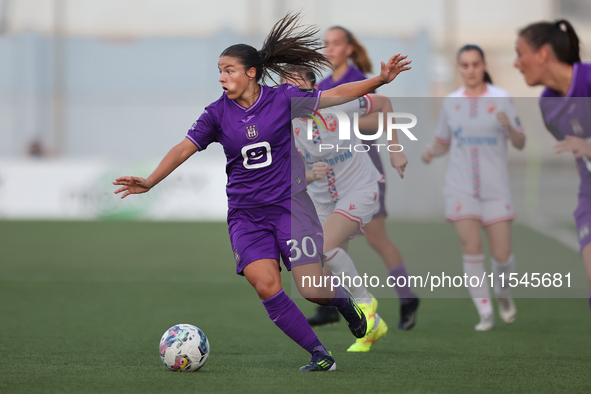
[
  {"x": 571, "y": 115},
  {"x": 257, "y": 143},
  {"x": 351, "y": 75}
]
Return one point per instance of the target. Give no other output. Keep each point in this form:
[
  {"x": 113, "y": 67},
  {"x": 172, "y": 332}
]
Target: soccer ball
[{"x": 184, "y": 348}]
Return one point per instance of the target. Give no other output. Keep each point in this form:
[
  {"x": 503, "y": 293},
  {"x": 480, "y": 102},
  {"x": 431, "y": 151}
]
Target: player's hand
[
  {"x": 427, "y": 155},
  {"x": 399, "y": 161},
  {"x": 395, "y": 66},
  {"x": 503, "y": 120},
  {"x": 319, "y": 170},
  {"x": 578, "y": 146},
  {"x": 132, "y": 185}
]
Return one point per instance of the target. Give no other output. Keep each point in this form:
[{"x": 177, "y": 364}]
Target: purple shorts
[
  {"x": 382, "y": 210},
  {"x": 290, "y": 229},
  {"x": 583, "y": 220}
]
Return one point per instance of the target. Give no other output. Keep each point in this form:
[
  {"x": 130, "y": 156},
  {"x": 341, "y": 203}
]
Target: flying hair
[{"x": 288, "y": 44}]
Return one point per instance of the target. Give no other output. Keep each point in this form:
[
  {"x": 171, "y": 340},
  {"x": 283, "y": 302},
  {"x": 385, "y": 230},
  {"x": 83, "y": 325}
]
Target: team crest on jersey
[
  {"x": 577, "y": 128},
  {"x": 251, "y": 131},
  {"x": 491, "y": 106},
  {"x": 331, "y": 123}
]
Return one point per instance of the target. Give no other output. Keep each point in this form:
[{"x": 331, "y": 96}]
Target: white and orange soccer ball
[{"x": 184, "y": 348}]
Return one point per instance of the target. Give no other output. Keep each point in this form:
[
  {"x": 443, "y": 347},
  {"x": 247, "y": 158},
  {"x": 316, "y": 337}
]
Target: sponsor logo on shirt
[
  {"x": 461, "y": 140},
  {"x": 352, "y": 207},
  {"x": 251, "y": 131}
]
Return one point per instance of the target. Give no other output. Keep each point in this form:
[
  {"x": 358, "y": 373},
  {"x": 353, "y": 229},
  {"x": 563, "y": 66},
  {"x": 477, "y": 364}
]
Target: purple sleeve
[
  {"x": 300, "y": 100},
  {"x": 203, "y": 131}
]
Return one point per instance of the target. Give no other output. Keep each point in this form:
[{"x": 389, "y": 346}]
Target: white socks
[
  {"x": 474, "y": 267},
  {"x": 339, "y": 262},
  {"x": 505, "y": 268}
]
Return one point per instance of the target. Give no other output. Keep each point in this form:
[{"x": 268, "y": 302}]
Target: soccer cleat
[
  {"x": 324, "y": 315},
  {"x": 486, "y": 323},
  {"x": 507, "y": 309},
  {"x": 369, "y": 310},
  {"x": 354, "y": 317},
  {"x": 364, "y": 344},
  {"x": 319, "y": 363},
  {"x": 408, "y": 314}
]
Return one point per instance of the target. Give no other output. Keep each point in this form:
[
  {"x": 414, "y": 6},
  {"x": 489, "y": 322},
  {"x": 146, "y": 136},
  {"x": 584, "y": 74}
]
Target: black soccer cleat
[
  {"x": 354, "y": 317},
  {"x": 408, "y": 315},
  {"x": 320, "y": 363},
  {"x": 324, "y": 315}
]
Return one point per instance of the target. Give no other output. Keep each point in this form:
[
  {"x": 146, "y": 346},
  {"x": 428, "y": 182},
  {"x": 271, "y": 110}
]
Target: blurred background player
[
  {"x": 548, "y": 54},
  {"x": 344, "y": 188},
  {"x": 269, "y": 214},
  {"x": 340, "y": 47},
  {"x": 476, "y": 121}
]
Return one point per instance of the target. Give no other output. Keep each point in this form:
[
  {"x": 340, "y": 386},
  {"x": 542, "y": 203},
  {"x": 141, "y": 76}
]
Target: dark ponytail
[
  {"x": 473, "y": 47},
  {"x": 288, "y": 44},
  {"x": 559, "y": 35},
  {"x": 359, "y": 56}
]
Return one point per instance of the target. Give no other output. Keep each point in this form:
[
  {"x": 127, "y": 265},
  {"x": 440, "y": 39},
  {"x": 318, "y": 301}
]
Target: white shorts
[
  {"x": 462, "y": 206},
  {"x": 359, "y": 206}
]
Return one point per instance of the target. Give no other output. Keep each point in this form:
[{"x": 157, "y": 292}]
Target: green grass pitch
[{"x": 83, "y": 306}]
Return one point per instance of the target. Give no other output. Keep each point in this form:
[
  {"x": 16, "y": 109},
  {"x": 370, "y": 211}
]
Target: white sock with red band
[
  {"x": 474, "y": 268},
  {"x": 506, "y": 269},
  {"x": 339, "y": 262}
]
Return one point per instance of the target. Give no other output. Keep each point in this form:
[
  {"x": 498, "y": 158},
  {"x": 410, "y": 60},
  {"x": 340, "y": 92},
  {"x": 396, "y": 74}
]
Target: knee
[
  {"x": 266, "y": 287},
  {"x": 501, "y": 255},
  {"x": 379, "y": 241},
  {"x": 374, "y": 240},
  {"x": 471, "y": 246}
]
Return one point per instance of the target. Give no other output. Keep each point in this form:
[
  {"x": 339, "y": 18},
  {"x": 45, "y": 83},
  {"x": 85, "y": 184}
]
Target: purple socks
[
  {"x": 340, "y": 298},
  {"x": 286, "y": 315},
  {"x": 400, "y": 277}
]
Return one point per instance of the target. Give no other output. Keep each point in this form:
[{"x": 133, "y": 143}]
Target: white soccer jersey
[
  {"x": 478, "y": 152},
  {"x": 348, "y": 170}
]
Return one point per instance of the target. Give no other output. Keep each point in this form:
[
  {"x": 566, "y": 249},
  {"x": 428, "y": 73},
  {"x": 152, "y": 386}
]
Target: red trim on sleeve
[
  {"x": 370, "y": 106},
  {"x": 443, "y": 141}
]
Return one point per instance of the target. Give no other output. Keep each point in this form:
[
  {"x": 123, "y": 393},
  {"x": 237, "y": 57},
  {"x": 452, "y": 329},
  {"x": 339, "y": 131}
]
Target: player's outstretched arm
[
  {"x": 343, "y": 93},
  {"x": 174, "y": 158}
]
